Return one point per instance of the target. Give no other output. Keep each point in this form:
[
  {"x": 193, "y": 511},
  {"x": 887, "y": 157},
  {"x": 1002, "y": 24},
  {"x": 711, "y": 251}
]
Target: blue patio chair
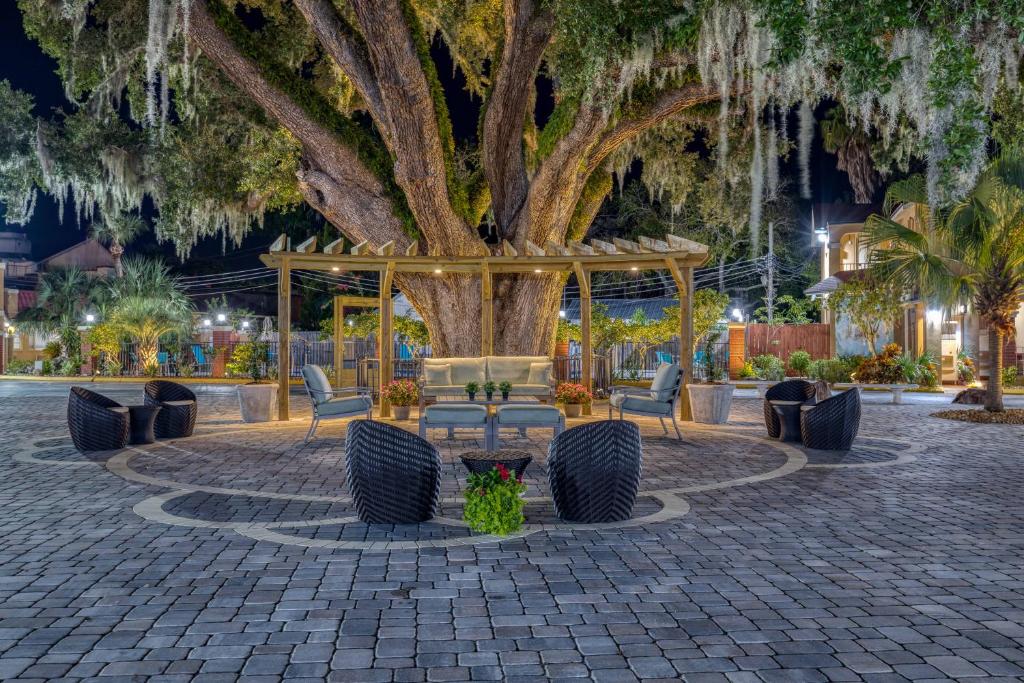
[
  {"x": 660, "y": 401},
  {"x": 328, "y": 402},
  {"x": 197, "y": 353},
  {"x": 663, "y": 357}
]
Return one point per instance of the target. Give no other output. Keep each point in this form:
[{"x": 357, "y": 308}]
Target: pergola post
[
  {"x": 486, "y": 312},
  {"x": 385, "y": 342},
  {"x": 339, "y": 340},
  {"x": 284, "y": 323},
  {"x": 587, "y": 371},
  {"x": 684, "y": 283}
]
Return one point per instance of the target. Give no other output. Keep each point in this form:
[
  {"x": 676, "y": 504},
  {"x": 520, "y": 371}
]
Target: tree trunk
[
  {"x": 525, "y": 312},
  {"x": 994, "y": 388},
  {"x": 116, "y": 252}
]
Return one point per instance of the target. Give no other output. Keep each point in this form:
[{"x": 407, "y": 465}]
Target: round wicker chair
[
  {"x": 832, "y": 424},
  {"x": 394, "y": 476},
  {"x": 96, "y": 422},
  {"x": 594, "y": 471},
  {"x": 177, "y": 418},
  {"x": 790, "y": 390}
]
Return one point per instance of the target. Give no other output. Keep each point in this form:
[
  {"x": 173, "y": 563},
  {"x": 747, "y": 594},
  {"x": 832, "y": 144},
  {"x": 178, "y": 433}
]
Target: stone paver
[{"x": 234, "y": 555}]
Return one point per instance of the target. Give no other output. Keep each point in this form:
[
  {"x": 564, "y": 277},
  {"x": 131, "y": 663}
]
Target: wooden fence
[{"x": 782, "y": 340}]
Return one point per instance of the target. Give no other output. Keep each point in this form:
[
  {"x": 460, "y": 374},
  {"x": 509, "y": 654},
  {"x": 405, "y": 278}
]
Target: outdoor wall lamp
[
  {"x": 245, "y": 324},
  {"x": 738, "y": 314},
  {"x": 206, "y": 322},
  {"x": 221, "y": 318},
  {"x": 934, "y": 315},
  {"x": 822, "y": 234}
]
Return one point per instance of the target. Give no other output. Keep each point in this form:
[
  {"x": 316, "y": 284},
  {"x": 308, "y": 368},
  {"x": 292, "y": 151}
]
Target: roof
[
  {"x": 832, "y": 282},
  {"x": 88, "y": 255},
  {"x": 621, "y": 309},
  {"x": 844, "y": 214}
]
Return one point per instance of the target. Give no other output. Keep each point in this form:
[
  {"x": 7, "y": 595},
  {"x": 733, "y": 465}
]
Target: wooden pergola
[{"x": 677, "y": 255}]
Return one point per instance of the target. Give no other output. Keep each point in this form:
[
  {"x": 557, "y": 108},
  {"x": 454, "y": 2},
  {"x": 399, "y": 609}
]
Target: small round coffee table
[
  {"x": 141, "y": 420},
  {"x": 789, "y": 419},
  {"x": 479, "y": 462}
]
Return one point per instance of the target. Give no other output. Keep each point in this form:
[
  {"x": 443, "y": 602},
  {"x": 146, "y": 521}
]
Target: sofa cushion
[
  {"x": 539, "y": 414},
  {"x": 664, "y": 382},
  {"x": 344, "y": 406},
  {"x": 438, "y": 375},
  {"x": 540, "y": 373},
  {"x": 514, "y": 369},
  {"x": 317, "y": 381},
  {"x": 530, "y": 390},
  {"x": 466, "y": 370},
  {"x": 445, "y": 390}
]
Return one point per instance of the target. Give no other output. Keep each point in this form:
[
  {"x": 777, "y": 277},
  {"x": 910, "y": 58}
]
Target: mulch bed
[{"x": 1012, "y": 416}]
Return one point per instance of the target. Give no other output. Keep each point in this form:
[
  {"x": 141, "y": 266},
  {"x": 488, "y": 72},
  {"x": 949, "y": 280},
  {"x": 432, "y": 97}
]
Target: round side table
[
  {"x": 142, "y": 419},
  {"x": 479, "y": 462},
  {"x": 789, "y": 419}
]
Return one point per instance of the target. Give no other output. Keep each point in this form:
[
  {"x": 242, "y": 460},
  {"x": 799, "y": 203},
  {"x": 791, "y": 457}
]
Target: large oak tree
[{"x": 255, "y": 105}]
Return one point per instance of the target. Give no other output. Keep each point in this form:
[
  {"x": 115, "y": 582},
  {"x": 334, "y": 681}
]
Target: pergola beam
[
  {"x": 385, "y": 341},
  {"x": 586, "y": 361},
  {"x": 284, "y": 318}
]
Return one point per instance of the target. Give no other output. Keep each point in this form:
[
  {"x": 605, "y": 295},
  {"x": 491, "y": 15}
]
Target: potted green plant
[
  {"x": 505, "y": 387},
  {"x": 256, "y": 399},
  {"x": 489, "y": 388},
  {"x": 402, "y": 394},
  {"x": 711, "y": 401},
  {"x": 799, "y": 361},
  {"x": 471, "y": 389},
  {"x": 493, "y": 502},
  {"x": 573, "y": 397}
]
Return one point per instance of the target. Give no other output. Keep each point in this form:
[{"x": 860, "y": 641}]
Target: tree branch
[
  {"x": 666, "y": 105},
  {"x": 408, "y": 112},
  {"x": 527, "y": 34},
  {"x": 358, "y": 204}
]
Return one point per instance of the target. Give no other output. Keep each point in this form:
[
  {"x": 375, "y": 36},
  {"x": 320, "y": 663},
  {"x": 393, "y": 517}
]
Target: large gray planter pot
[
  {"x": 710, "y": 403},
  {"x": 257, "y": 402}
]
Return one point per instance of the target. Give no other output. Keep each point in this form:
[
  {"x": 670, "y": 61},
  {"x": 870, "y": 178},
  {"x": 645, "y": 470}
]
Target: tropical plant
[
  {"x": 927, "y": 371},
  {"x": 965, "y": 370},
  {"x": 18, "y": 367},
  {"x": 63, "y": 298},
  {"x": 713, "y": 370},
  {"x": 799, "y": 361},
  {"x": 1009, "y": 376},
  {"x": 249, "y": 359},
  {"x": 493, "y": 504},
  {"x": 117, "y": 230},
  {"x": 400, "y": 392},
  {"x": 830, "y": 370},
  {"x": 886, "y": 367},
  {"x": 52, "y": 350},
  {"x": 104, "y": 342},
  {"x": 573, "y": 394},
  {"x": 747, "y": 371},
  {"x": 146, "y": 304},
  {"x": 972, "y": 252},
  {"x": 769, "y": 367}
]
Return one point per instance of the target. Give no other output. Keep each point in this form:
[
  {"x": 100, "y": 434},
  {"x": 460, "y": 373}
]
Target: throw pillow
[
  {"x": 438, "y": 375},
  {"x": 540, "y": 373}
]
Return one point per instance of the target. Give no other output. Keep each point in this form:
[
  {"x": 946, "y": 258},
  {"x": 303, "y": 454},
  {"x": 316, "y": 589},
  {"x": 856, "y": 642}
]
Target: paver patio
[{"x": 236, "y": 554}]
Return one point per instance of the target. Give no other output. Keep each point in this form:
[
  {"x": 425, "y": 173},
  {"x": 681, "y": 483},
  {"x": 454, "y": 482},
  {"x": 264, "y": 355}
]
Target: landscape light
[
  {"x": 537, "y": 270},
  {"x": 335, "y": 268},
  {"x": 561, "y": 314},
  {"x": 437, "y": 271},
  {"x": 245, "y": 323},
  {"x": 634, "y": 268},
  {"x": 90, "y": 318}
]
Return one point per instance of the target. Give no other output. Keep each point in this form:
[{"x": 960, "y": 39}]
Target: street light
[
  {"x": 206, "y": 322},
  {"x": 738, "y": 314},
  {"x": 245, "y": 324},
  {"x": 821, "y": 232},
  {"x": 221, "y": 318}
]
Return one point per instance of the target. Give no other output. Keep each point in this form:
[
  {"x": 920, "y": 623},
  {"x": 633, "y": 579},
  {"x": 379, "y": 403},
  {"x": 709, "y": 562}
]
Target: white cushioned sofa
[{"x": 447, "y": 377}]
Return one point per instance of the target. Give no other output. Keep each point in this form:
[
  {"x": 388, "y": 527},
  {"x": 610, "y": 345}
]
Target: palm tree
[
  {"x": 63, "y": 298},
  {"x": 147, "y": 303},
  {"x": 971, "y": 253},
  {"x": 117, "y": 231}
]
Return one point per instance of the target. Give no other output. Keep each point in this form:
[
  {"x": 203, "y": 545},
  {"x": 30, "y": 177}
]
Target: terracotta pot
[
  {"x": 573, "y": 409},
  {"x": 257, "y": 402},
  {"x": 401, "y": 412},
  {"x": 710, "y": 403},
  {"x": 561, "y": 349}
]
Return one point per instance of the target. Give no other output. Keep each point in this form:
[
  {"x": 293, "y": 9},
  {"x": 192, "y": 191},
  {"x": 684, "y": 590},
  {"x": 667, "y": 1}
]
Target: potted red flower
[
  {"x": 573, "y": 397},
  {"x": 401, "y": 394}
]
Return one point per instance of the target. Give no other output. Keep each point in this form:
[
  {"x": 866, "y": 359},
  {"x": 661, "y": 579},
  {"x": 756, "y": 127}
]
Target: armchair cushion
[
  {"x": 642, "y": 404},
  {"x": 317, "y": 382},
  {"x": 437, "y": 375},
  {"x": 664, "y": 383},
  {"x": 540, "y": 373},
  {"x": 343, "y": 406}
]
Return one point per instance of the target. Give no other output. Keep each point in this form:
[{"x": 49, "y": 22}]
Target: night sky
[{"x": 30, "y": 70}]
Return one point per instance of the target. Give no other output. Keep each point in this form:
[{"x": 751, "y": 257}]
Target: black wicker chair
[
  {"x": 96, "y": 422},
  {"x": 394, "y": 476},
  {"x": 832, "y": 424},
  {"x": 594, "y": 471},
  {"x": 180, "y": 408},
  {"x": 790, "y": 390}
]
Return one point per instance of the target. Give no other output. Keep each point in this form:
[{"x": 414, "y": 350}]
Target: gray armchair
[
  {"x": 660, "y": 401},
  {"x": 329, "y": 403}
]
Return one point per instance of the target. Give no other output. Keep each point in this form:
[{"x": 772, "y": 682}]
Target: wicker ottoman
[
  {"x": 523, "y": 417},
  {"x": 452, "y": 416}
]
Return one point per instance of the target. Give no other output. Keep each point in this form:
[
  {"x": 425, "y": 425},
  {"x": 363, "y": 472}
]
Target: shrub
[
  {"x": 19, "y": 367},
  {"x": 250, "y": 359},
  {"x": 747, "y": 371},
  {"x": 1009, "y": 376},
  {"x": 573, "y": 394},
  {"x": 47, "y": 368},
  {"x": 52, "y": 350},
  {"x": 767, "y": 366},
  {"x": 830, "y": 370},
  {"x": 69, "y": 367},
  {"x": 401, "y": 392},
  {"x": 492, "y": 502},
  {"x": 799, "y": 362},
  {"x": 884, "y": 368},
  {"x": 964, "y": 368}
]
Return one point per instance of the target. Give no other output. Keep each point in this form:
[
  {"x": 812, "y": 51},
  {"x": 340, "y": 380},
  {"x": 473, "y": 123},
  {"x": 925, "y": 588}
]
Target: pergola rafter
[{"x": 677, "y": 255}]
